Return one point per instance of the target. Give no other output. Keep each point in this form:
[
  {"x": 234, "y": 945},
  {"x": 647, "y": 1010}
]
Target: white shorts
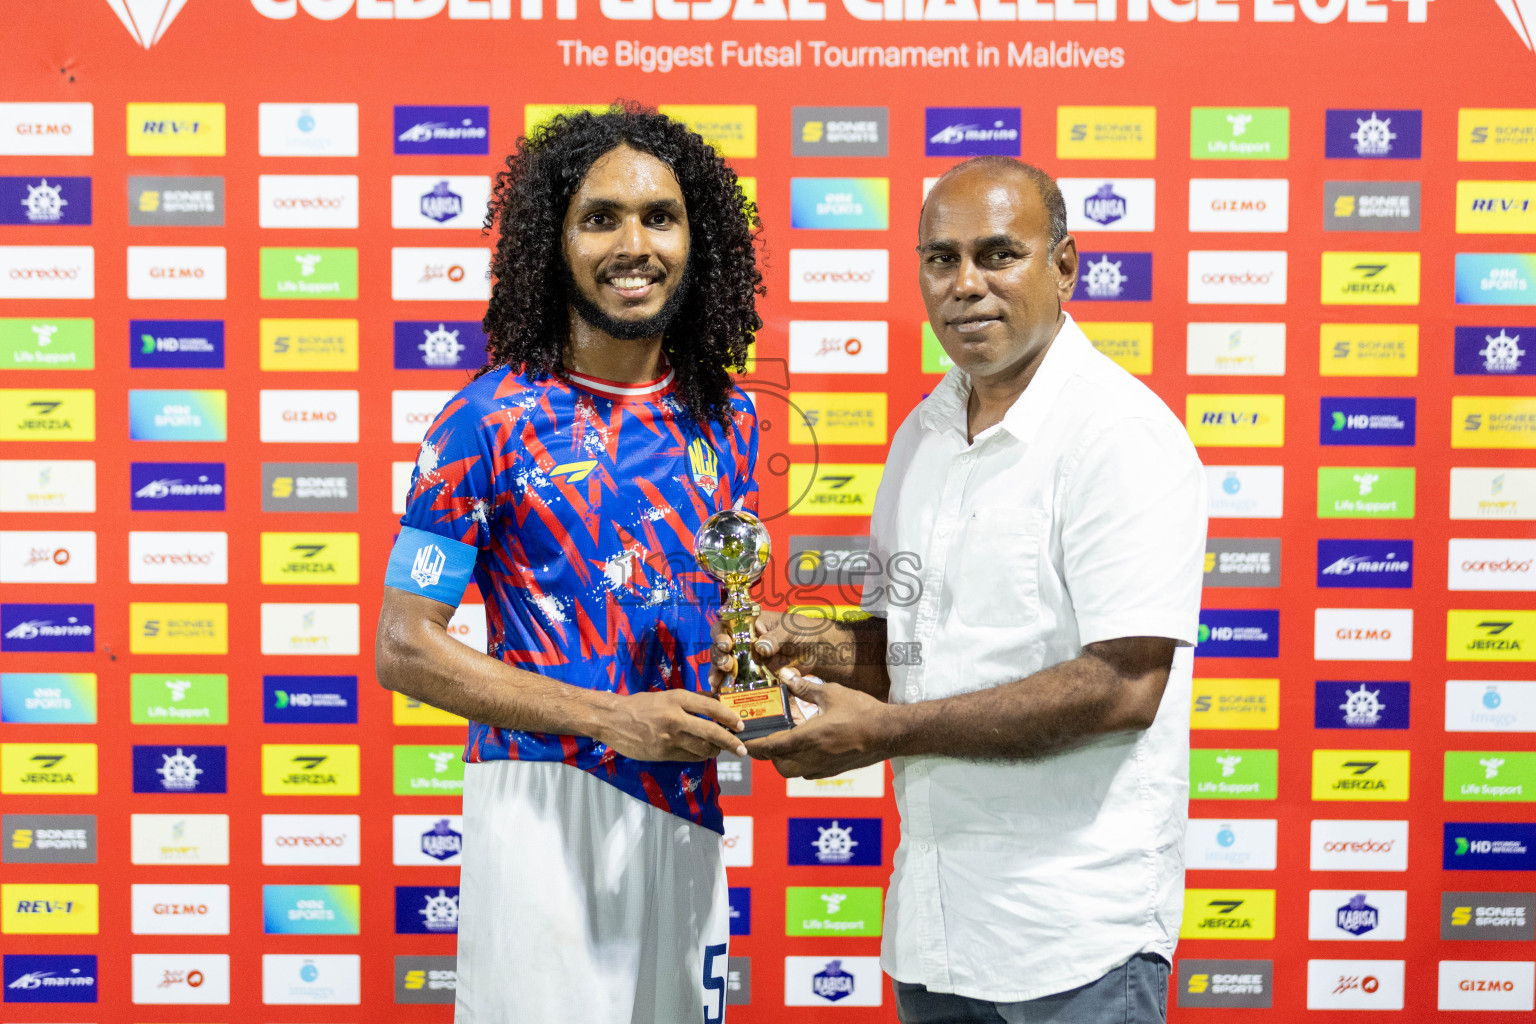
[{"x": 579, "y": 903}]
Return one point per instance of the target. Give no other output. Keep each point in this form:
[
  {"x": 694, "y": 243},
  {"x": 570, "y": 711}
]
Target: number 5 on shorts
[{"x": 715, "y": 962}]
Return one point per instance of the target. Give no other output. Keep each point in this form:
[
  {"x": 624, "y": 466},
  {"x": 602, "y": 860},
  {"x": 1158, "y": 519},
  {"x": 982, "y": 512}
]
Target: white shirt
[{"x": 1080, "y": 517}]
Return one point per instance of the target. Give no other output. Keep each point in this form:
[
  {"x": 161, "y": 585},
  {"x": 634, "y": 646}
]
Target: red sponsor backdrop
[{"x": 1463, "y": 56}]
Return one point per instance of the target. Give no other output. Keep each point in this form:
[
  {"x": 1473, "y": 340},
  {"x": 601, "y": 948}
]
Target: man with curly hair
[{"x": 567, "y": 480}]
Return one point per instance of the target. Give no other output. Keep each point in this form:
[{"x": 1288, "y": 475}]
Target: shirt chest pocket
[{"x": 999, "y": 579}]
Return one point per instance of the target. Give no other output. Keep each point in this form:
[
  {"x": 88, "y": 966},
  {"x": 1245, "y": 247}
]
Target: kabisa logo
[
  {"x": 464, "y": 130},
  {"x": 430, "y": 910},
  {"x": 828, "y": 841},
  {"x": 832, "y": 982},
  {"x": 972, "y": 131},
  {"x": 1352, "y": 705},
  {"x": 442, "y": 841},
  {"x": 49, "y": 979},
  {"x": 181, "y": 769},
  {"x": 1357, "y": 916},
  {"x": 47, "y": 627},
  {"x": 1374, "y": 134},
  {"x": 146, "y": 21},
  {"x": 1115, "y": 276},
  {"x": 1494, "y": 351},
  {"x": 438, "y": 344},
  {"x": 1105, "y": 206},
  {"x": 45, "y": 201},
  {"x": 441, "y": 203},
  {"x": 1365, "y": 563},
  {"x": 176, "y": 486}
]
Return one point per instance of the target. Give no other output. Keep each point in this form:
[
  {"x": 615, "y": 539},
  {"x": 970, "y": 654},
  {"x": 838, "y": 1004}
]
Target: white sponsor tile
[
  {"x": 839, "y": 275},
  {"x": 1235, "y": 349},
  {"x": 1487, "y": 564},
  {"x": 1239, "y": 204},
  {"x": 60, "y": 485},
  {"x": 1237, "y": 277},
  {"x": 1245, "y": 492},
  {"x": 1363, "y": 634},
  {"x": 180, "y": 909},
  {"x": 1490, "y": 705},
  {"x": 47, "y": 556},
  {"x": 311, "y": 839},
  {"x": 1357, "y": 915},
  {"x": 47, "y": 272},
  {"x": 1355, "y": 984},
  {"x": 439, "y": 200},
  {"x": 307, "y": 200},
  {"x": 46, "y": 129},
  {"x": 309, "y": 417},
  {"x": 440, "y": 275},
  {"x": 176, "y": 272},
  {"x": 838, "y": 346},
  {"x": 181, "y": 978},
  {"x": 307, "y": 129},
  {"x": 178, "y": 557},
  {"x": 1359, "y": 845},
  {"x": 313, "y": 629},
  {"x": 180, "y": 838}
]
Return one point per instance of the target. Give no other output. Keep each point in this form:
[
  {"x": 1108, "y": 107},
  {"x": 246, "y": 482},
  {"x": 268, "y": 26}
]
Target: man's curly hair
[{"x": 528, "y": 321}]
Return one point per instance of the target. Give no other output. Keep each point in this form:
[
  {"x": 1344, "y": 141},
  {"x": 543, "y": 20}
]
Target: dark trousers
[{"x": 1136, "y": 992}]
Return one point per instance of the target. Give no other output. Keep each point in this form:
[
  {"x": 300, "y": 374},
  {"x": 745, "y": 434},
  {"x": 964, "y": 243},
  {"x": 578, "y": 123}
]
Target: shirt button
[
  {"x": 964, "y": 459},
  {"x": 923, "y": 847},
  {"x": 943, "y": 530}
]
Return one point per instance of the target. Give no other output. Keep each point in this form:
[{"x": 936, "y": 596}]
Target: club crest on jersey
[
  {"x": 427, "y": 569},
  {"x": 705, "y": 465}
]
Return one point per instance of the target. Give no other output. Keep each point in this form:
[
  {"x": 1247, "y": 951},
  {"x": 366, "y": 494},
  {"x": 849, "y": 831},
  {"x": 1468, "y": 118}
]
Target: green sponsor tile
[
  {"x": 832, "y": 910},
  {"x": 434, "y": 769},
  {"x": 178, "y": 698},
  {"x": 47, "y": 343},
  {"x": 1233, "y": 774},
  {"x": 1365, "y": 492},
  {"x": 315, "y": 273},
  {"x": 1498, "y": 776},
  {"x": 1240, "y": 133},
  {"x": 935, "y": 359}
]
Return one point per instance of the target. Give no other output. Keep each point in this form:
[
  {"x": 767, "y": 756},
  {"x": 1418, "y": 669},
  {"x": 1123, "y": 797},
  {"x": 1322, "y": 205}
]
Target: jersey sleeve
[
  {"x": 744, "y": 440},
  {"x": 448, "y": 510}
]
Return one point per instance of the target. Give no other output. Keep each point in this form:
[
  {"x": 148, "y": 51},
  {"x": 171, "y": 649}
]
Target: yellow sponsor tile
[
  {"x": 730, "y": 128},
  {"x": 410, "y": 711},
  {"x": 536, "y": 114},
  {"x": 178, "y": 628},
  {"x": 45, "y": 768},
  {"x": 1369, "y": 350},
  {"x": 1489, "y": 421},
  {"x": 1377, "y": 775},
  {"x": 47, "y": 414},
  {"x": 49, "y": 908},
  {"x": 309, "y": 558},
  {"x": 310, "y": 769},
  {"x": 1235, "y": 704},
  {"x": 1499, "y": 635},
  {"x": 308, "y": 345},
  {"x": 833, "y": 489},
  {"x": 1493, "y": 134},
  {"x": 1228, "y": 914},
  {"x": 1235, "y": 421},
  {"x": 838, "y": 417},
  {"x": 175, "y": 129},
  {"x": 1496, "y": 207},
  {"x": 1370, "y": 279},
  {"x": 1129, "y": 344},
  {"x": 1106, "y": 133}
]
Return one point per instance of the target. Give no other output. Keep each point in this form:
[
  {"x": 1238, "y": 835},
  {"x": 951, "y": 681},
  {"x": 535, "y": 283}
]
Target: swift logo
[{"x": 146, "y": 20}]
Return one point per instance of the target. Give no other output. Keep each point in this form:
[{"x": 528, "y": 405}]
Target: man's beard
[{"x": 628, "y": 330}]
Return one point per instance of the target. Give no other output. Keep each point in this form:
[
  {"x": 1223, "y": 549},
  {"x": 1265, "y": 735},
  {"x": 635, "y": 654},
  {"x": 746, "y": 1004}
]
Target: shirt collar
[{"x": 945, "y": 408}]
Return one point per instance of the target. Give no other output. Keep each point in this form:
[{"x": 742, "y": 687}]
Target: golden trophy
[{"x": 733, "y": 547}]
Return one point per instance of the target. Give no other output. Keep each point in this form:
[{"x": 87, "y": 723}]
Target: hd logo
[
  {"x": 309, "y": 558},
  {"x": 289, "y": 769},
  {"x": 1228, "y": 914},
  {"x": 1379, "y": 775}
]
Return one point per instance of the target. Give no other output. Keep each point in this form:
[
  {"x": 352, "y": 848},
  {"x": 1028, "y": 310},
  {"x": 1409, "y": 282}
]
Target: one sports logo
[{"x": 427, "y": 569}]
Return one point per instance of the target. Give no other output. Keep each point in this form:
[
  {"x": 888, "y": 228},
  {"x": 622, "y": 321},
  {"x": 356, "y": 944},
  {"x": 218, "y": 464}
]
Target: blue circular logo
[
  {"x": 309, "y": 972},
  {"x": 1231, "y": 484},
  {"x": 1491, "y": 699},
  {"x": 306, "y": 123},
  {"x": 1226, "y": 837}
]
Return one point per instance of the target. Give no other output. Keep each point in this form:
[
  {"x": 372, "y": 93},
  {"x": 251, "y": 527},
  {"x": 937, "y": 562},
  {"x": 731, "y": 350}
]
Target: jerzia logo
[{"x": 146, "y": 20}]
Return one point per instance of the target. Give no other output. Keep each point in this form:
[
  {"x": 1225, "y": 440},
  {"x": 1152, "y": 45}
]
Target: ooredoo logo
[
  {"x": 308, "y": 200},
  {"x": 310, "y": 839},
  {"x": 1489, "y": 564},
  {"x": 1237, "y": 277},
  {"x": 1359, "y": 845},
  {"x": 839, "y": 275},
  {"x": 47, "y": 272}
]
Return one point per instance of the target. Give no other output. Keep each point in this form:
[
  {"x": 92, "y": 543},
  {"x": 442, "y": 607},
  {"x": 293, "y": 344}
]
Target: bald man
[{"x": 1040, "y": 746}]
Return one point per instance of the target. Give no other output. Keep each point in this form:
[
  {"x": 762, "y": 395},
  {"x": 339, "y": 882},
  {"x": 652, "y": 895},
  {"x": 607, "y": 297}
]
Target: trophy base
[{"x": 763, "y": 711}]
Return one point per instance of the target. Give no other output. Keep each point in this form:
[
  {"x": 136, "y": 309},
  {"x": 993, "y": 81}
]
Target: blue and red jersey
[{"x": 573, "y": 506}]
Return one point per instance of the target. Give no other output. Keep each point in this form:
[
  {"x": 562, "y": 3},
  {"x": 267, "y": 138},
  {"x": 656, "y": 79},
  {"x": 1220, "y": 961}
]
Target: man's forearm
[
  {"x": 852, "y": 653},
  {"x": 422, "y": 661},
  {"x": 1053, "y": 710}
]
